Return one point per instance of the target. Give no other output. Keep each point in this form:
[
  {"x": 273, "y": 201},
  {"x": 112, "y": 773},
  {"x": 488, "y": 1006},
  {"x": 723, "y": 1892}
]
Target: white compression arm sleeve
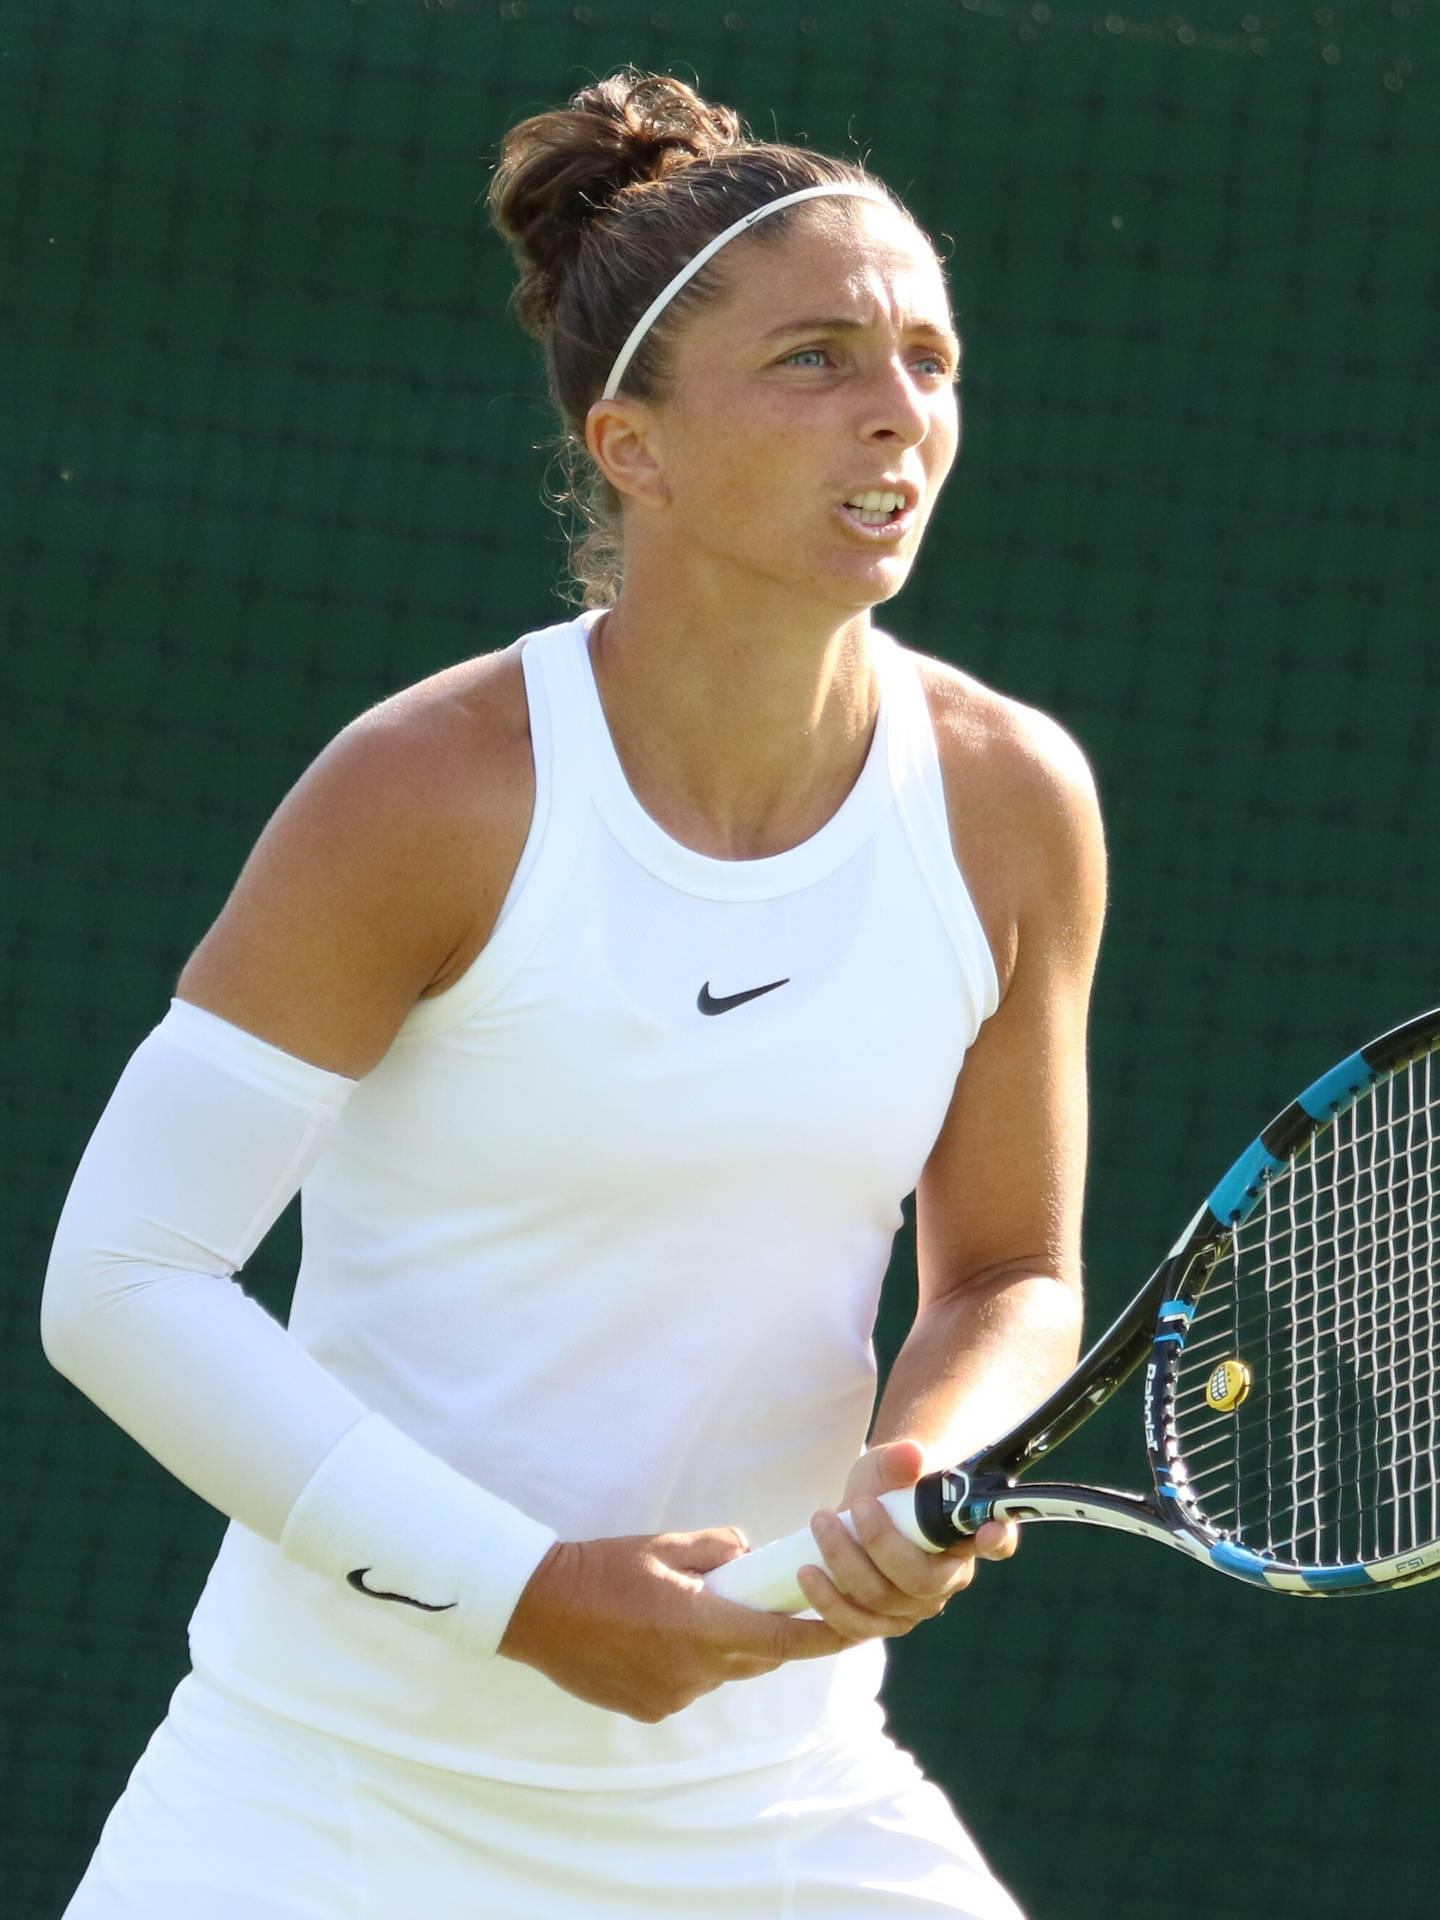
[{"x": 206, "y": 1139}]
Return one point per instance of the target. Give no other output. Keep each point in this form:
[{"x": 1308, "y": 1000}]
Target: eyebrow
[{"x": 846, "y": 323}]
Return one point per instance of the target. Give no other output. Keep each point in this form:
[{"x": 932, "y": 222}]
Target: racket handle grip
[{"x": 765, "y": 1579}]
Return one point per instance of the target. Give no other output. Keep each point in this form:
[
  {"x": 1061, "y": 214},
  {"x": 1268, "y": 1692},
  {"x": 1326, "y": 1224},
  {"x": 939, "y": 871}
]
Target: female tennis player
[{"x": 603, "y": 996}]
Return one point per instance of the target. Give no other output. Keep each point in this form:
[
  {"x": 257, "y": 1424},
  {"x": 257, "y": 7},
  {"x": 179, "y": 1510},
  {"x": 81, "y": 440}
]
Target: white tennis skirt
[{"x": 236, "y": 1814}]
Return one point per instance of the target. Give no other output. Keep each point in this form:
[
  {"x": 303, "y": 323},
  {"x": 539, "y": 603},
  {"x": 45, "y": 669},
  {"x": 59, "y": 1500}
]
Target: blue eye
[{"x": 811, "y": 356}]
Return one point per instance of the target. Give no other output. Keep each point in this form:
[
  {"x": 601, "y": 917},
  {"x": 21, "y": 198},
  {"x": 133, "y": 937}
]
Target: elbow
[
  {"x": 77, "y": 1310},
  {"x": 65, "y": 1316}
]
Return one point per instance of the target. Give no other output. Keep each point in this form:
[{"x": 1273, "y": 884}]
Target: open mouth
[{"x": 879, "y": 510}]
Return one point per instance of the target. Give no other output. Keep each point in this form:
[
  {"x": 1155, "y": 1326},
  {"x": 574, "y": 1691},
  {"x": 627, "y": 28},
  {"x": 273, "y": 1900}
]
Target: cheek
[
  {"x": 944, "y": 439},
  {"x": 711, "y": 468},
  {"x": 740, "y": 484}
]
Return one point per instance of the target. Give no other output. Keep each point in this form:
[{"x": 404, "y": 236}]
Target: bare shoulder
[
  {"x": 982, "y": 733},
  {"x": 450, "y": 746},
  {"x": 380, "y": 874},
  {"x": 1024, "y": 813}
]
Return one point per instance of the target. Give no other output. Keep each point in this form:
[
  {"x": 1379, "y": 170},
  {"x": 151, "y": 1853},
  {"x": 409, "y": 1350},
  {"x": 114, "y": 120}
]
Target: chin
[
  {"x": 873, "y": 584},
  {"x": 850, "y": 583}
]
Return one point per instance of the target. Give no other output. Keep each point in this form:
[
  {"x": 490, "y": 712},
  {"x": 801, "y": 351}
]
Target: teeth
[{"x": 876, "y": 502}]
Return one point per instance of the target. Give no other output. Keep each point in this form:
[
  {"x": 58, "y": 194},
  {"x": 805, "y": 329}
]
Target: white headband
[{"x": 687, "y": 273}]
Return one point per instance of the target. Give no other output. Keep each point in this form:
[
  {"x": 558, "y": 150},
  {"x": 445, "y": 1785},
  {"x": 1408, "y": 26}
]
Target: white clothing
[
  {"x": 204, "y": 1140},
  {"x": 598, "y": 1245},
  {"x": 235, "y": 1814},
  {"x": 615, "y": 1260}
]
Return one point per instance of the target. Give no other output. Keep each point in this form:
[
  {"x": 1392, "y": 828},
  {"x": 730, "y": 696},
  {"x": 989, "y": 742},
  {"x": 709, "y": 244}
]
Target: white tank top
[{"x": 606, "y": 1229}]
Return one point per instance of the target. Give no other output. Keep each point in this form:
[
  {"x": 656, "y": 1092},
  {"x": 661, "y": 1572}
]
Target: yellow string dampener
[{"x": 1228, "y": 1385}]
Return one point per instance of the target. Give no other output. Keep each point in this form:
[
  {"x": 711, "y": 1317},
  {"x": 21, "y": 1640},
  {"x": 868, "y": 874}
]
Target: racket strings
[{"x": 1325, "y": 1295}]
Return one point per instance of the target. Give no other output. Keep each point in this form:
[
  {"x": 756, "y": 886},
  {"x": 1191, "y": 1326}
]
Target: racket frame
[{"x": 954, "y": 1502}]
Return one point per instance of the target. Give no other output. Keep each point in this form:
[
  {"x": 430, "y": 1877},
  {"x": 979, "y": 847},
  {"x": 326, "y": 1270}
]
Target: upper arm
[
  {"x": 380, "y": 874},
  {"x": 1004, "y": 1185}
]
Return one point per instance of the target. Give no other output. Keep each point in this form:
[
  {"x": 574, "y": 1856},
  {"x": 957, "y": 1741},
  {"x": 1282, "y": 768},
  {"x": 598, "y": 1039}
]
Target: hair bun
[
  {"x": 664, "y": 122},
  {"x": 558, "y": 170}
]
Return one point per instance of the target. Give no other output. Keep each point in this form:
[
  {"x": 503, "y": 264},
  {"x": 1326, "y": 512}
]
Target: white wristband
[{"x": 404, "y": 1530}]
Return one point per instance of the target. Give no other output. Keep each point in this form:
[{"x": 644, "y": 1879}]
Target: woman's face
[{"x": 812, "y": 416}]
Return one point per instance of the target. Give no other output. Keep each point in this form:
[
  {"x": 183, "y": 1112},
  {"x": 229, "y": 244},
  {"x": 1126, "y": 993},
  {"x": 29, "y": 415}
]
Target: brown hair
[{"x": 602, "y": 203}]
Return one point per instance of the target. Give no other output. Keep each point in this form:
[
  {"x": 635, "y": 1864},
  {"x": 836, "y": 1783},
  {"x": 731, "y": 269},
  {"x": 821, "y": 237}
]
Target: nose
[{"x": 896, "y": 410}]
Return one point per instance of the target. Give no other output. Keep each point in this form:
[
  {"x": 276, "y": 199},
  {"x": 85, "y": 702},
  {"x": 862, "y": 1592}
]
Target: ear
[{"x": 624, "y": 440}]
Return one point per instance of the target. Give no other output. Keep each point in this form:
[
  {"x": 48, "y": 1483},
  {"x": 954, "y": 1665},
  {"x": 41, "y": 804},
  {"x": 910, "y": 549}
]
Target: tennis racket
[{"x": 1292, "y": 1361}]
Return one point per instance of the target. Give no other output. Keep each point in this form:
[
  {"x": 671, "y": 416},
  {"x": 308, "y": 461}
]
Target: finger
[
  {"x": 891, "y": 1578},
  {"x": 859, "y": 1573},
  {"x": 909, "y": 1568},
  {"x": 850, "y": 1618},
  {"x": 749, "y": 1666},
  {"x": 997, "y": 1540},
  {"x": 741, "y": 1632},
  {"x": 791, "y": 1639},
  {"x": 700, "y": 1552},
  {"x": 961, "y": 1573},
  {"x": 863, "y": 1615},
  {"x": 888, "y": 1468}
]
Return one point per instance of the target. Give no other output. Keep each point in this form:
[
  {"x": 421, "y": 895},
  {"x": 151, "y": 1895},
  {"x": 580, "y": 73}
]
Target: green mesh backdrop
[{"x": 270, "y": 449}]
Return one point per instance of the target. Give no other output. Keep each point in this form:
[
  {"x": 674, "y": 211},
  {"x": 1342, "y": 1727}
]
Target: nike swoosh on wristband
[
  {"x": 708, "y": 1002},
  {"x": 357, "y": 1580}
]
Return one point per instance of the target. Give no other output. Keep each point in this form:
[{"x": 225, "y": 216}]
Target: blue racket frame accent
[
  {"x": 1241, "y": 1561},
  {"x": 1338, "y": 1088},
  {"x": 1173, "y": 1321},
  {"x": 1337, "y": 1579},
  {"x": 1234, "y": 1196}
]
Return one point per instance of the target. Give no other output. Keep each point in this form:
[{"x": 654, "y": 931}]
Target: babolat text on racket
[{"x": 1291, "y": 1356}]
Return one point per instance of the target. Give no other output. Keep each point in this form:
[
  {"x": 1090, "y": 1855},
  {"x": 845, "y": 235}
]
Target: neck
[{"x": 740, "y": 733}]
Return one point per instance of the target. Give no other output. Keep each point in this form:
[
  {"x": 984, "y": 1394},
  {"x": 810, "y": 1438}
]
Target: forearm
[
  {"x": 204, "y": 1141},
  {"x": 976, "y": 1360}
]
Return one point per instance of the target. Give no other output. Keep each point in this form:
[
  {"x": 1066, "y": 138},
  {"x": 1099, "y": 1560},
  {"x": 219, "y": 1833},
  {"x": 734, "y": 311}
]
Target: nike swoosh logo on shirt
[
  {"x": 708, "y": 1002},
  {"x": 357, "y": 1580}
]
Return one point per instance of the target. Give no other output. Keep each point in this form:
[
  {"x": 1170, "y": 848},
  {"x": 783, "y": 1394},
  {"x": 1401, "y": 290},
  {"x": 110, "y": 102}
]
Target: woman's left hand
[{"x": 880, "y": 1583}]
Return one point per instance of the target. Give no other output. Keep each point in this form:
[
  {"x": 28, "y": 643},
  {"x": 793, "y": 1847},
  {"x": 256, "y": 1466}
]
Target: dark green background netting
[{"x": 271, "y": 453}]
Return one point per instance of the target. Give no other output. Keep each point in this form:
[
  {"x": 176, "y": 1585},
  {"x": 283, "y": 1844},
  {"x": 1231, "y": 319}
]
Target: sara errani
[{"x": 604, "y": 996}]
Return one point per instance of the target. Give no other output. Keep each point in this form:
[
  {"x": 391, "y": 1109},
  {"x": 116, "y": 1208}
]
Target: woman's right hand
[{"x": 628, "y": 1624}]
